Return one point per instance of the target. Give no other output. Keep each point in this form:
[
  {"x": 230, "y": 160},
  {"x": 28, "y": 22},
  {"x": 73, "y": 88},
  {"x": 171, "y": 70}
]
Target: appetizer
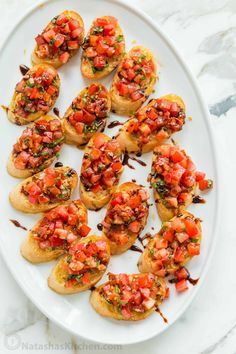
[
  {"x": 173, "y": 246},
  {"x": 173, "y": 179},
  {"x": 60, "y": 40},
  {"x": 45, "y": 190},
  {"x": 152, "y": 124},
  {"x": 129, "y": 297},
  {"x": 87, "y": 114},
  {"x": 82, "y": 267},
  {"x": 38, "y": 146},
  {"x": 133, "y": 81},
  {"x": 126, "y": 216},
  {"x": 103, "y": 48},
  {"x": 55, "y": 231},
  {"x": 100, "y": 171},
  {"x": 34, "y": 95}
]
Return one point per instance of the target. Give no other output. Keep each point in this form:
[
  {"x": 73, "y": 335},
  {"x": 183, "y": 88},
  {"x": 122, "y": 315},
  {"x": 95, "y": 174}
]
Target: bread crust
[
  {"x": 103, "y": 308},
  {"x": 20, "y": 202},
  {"x": 25, "y": 173},
  {"x": 56, "y": 279},
  {"x": 119, "y": 248},
  {"x": 16, "y": 118},
  {"x": 129, "y": 143},
  {"x": 55, "y": 62},
  {"x": 72, "y": 137},
  {"x": 86, "y": 66},
  {"x": 145, "y": 263},
  {"x": 125, "y": 106},
  {"x": 96, "y": 201}
]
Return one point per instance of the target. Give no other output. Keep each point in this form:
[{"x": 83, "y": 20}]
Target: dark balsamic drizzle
[
  {"x": 99, "y": 226},
  {"x": 56, "y": 111},
  {"x": 92, "y": 288},
  {"x": 23, "y": 69},
  {"x": 114, "y": 124},
  {"x": 126, "y": 161},
  {"x": 58, "y": 164},
  {"x": 193, "y": 281},
  {"x": 133, "y": 180},
  {"x": 17, "y": 224},
  {"x": 161, "y": 314},
  {"x": 197, "y": 199},
  {"x": 147, "y": 236},
  {"x": 136, "y": 249}
]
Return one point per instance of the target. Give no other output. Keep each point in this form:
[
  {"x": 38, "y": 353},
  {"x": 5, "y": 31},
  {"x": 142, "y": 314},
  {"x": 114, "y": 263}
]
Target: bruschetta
[
  {"x": 173, "y": 179},
  {"x": 82, "y": 267},
  {"x": 173, "y": 246},
  {"x": 45, "y": 190},
  {"x": 87, "y": 114},
  {"x": 153, "y": 124},
  {"x": 126, "y": 216},
  {"x": 60, "y": 40},
  {"x": 55, "y": 231},
  {"x": 133, "y": 82},
  {"x": 100, "y": 171},
  {"x": 34, "y": 95},
  {"x": 103, "y": 48},
  {"x": 38, "y": 146},
  {"x": 130, "y": 297}
]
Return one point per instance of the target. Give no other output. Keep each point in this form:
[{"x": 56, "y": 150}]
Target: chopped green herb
[
  {"x": 97, "y": 29},
  {"x": 119, "y": 38},
  {"x": 194, "y": 240},
  {"x": 117, "y": 288}
]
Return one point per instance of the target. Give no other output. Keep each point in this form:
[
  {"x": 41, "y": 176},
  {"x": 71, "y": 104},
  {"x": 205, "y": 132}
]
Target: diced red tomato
[
  {"x": 64, "y": 57},
  {"x": 99, "y": 62},
  {"x": 59, "y": 40},
  {"x": 176, "y": 155},
  {"x": 205, "y": 184},
  {"x": 84, "y": 230},
  {"x": 98, "y": 140},
  {"x": 182, "y": 273},
  {"x": 181, "y": 286},
  {"x": 73, "y": 24},
  {"x": 134, "y": 226},
  {"x": 191, "y": 227},
  {"x": 117, "y": 166},
  {"x": 61, "y": 19},
  {"x": 199, "y": 175},
  {"x": 193, "y": 249}
]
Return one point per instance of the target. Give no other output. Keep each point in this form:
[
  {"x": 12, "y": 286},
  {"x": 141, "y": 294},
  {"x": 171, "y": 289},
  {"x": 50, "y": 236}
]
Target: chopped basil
[
  {"x": 52, "y": 41},
  {"x": 119, "y": 38},
  {"x": 94, "y": 69},
  {"x": 56, "y": 142},
  {"x": 97, "y": 29},
  {"x": 151, "y": 251},
  {"x": 54, "y": 19},
  {"x": 78, "y": 278},
  {"x": 44, "y": 153},
  {"x": 30, "y": 83},
  {"x": 142, "y": 56},
  {"x": 69, "y": 258},
  {"x": 117, "y": 288},
  {"x": 193, "y": 240},
  {"x": 210, "y": 183},
  {"x": 75, "y": 109},
  {"x": 57, "y": 155}
]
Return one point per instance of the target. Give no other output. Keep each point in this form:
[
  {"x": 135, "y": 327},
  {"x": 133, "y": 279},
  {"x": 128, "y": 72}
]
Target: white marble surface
[{"x": 204, "y": 32}]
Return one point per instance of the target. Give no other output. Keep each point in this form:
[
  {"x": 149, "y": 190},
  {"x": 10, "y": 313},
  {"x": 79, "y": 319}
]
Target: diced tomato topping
[
  {"x": 134, "y": 226},
  {"x": 64, "y": 57},
  {"x": 193, "y": 249},
  {"x": 182, "y": 273},
  {"x": 181, "y": 286},
  {"x": 199, "y": 175},
  {"x": 205, "y": 184},
  {"x": 84, "y": 230}
]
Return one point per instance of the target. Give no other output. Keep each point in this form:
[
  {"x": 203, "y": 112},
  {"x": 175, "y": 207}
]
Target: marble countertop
[{"x": 204, "y": 32}]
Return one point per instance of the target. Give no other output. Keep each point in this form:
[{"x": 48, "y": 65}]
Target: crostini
[
  {"x": 153, "y": 124},
  {"x": 100, "y": 171},
  {"x": 60, "y": 40},
  {"x": 133, "y": 82},
  {"x": 87, "y": 114},
  {"x": 38, "y": 146},
  {"x": 103, "y": 48},
  {"x": 34, "y": 95},
  {"x": 173, "y": 179},
  {"x": 173, "y": 246},
  {"x": 55, "y": 231},
  {"x": 82, "y": 267},
  {"x": 130, "y": 297},
  {"x": 45, "y": 190},
  {"x": 126, "y": 216}
]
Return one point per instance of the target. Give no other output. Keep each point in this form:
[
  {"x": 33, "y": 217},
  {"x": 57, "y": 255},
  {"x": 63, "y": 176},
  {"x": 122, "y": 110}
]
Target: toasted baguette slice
[
  {"x": 60, "y": 58},
  {"x": 148, "y": 261},
  {"x": 19, "y": 115},
  {"x": 39, "y": 248},
  {"x": 108, "y": 309},
  {"x": 92, "y": 120},
  {"x": 111, "y": 62},
  {"x": 17, "y": 166},
  {"x": 127, "y": 104},
  {"x": 128, "y": 196},
  {"x": 167, "y": 204},
  {"x": 132, "y": 136},
  {"x": 96, "y": 190},
  {"x": 20, "y": 201},
  {"x": 58, "y": 279}
]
